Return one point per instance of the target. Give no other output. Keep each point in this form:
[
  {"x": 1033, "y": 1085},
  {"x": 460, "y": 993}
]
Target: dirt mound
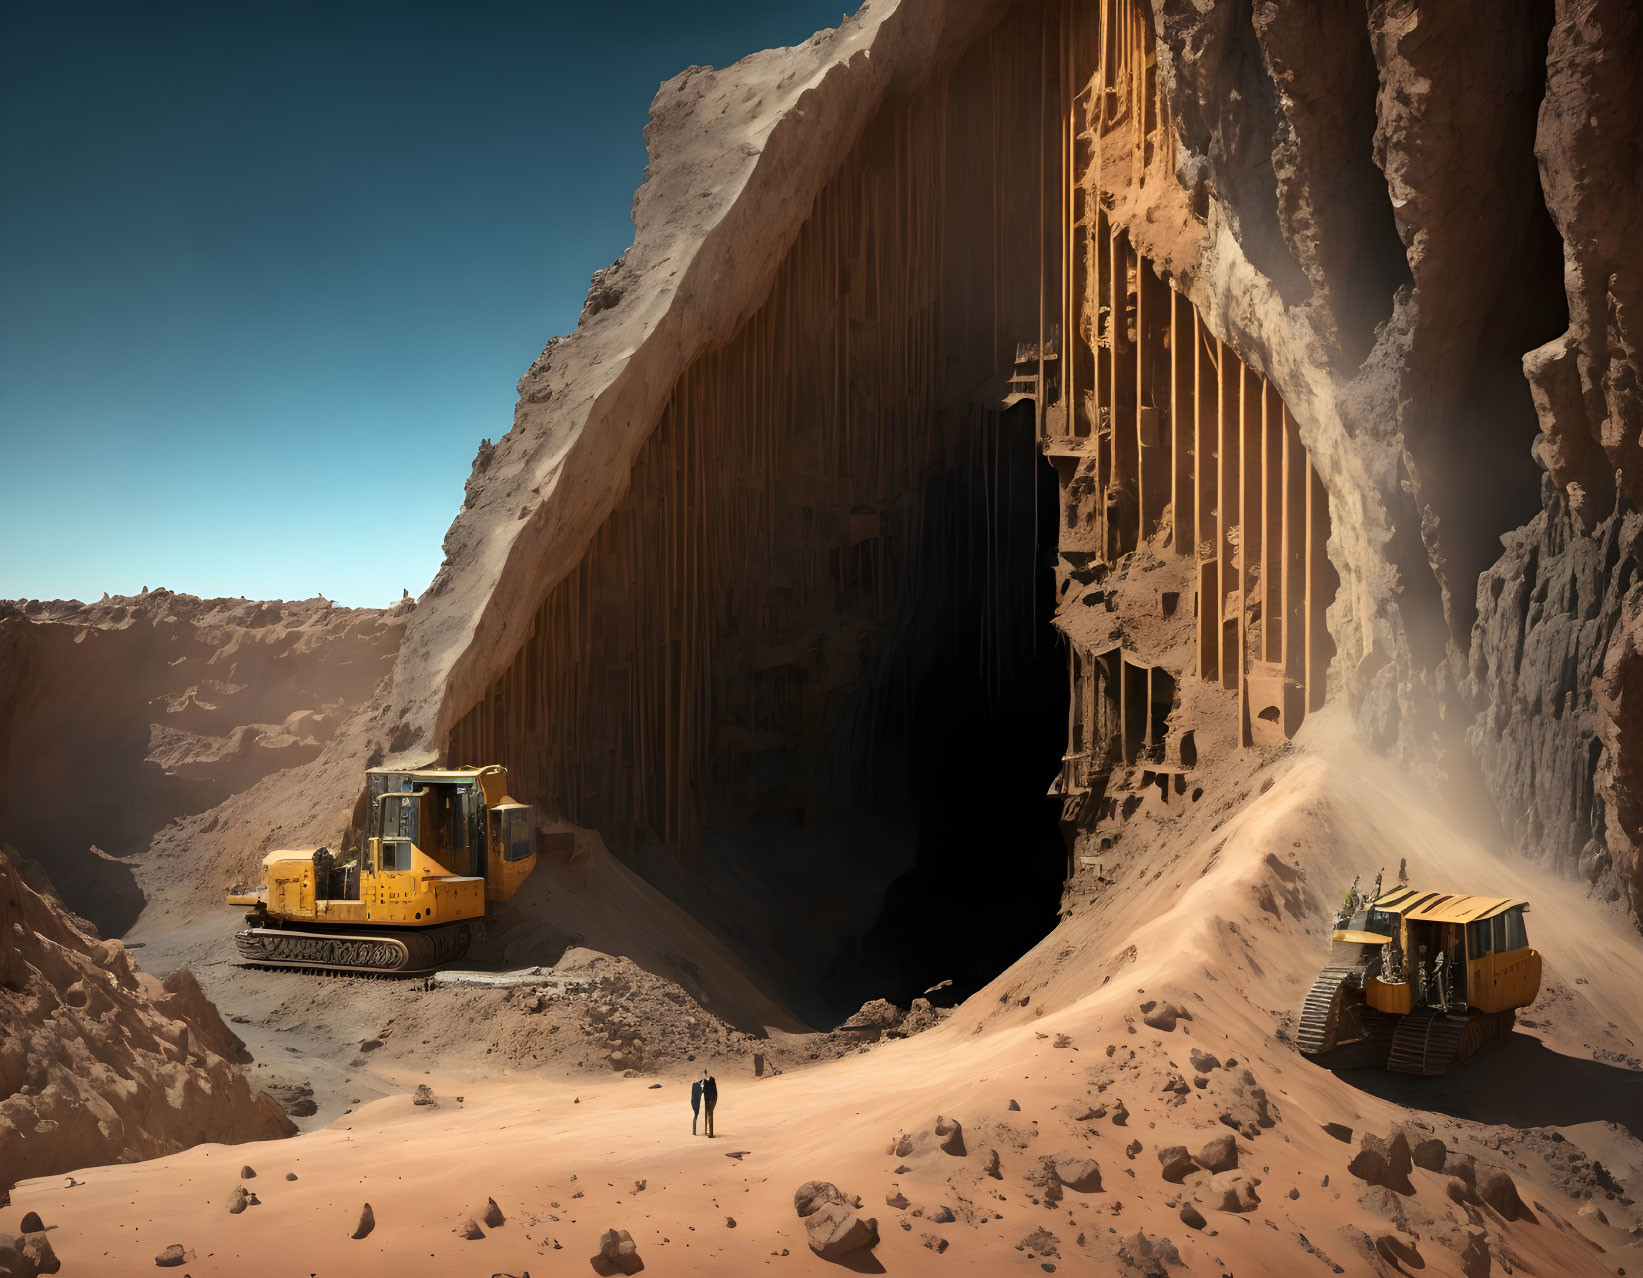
[{"x": 99, "y": 1063}]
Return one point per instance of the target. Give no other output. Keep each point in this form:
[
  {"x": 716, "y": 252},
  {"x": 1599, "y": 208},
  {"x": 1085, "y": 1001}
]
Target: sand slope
[{"x": 1223, "y": 914}]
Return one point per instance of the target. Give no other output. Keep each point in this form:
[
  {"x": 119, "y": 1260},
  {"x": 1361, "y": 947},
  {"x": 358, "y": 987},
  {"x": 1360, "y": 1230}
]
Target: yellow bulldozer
[
  {"x": 439, "y": 843},
  {"x": 1418, "y": 980}
]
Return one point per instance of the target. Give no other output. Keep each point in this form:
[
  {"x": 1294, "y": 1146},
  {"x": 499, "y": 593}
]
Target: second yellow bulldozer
[
  {"x": 439, "y": 844},
  {"x": 1418, "y": 980}
]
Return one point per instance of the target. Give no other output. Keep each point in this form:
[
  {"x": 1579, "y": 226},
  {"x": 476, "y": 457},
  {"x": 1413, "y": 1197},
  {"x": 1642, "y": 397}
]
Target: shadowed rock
[{"x": 367, "y": 1222}]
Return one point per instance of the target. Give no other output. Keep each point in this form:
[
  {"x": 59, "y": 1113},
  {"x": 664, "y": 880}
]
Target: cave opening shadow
[{"x": 971, "y": 737}]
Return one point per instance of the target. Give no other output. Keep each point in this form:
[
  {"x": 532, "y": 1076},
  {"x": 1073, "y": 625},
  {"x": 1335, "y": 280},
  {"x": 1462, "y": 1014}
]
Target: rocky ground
[{"x": 1132, "y": 1102}]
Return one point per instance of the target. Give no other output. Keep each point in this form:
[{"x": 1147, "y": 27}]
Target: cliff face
[
  {"x": 117, "y": 718},
  {"x": 101, "y": 1063},
  {"x": 1259, "y": 282}
]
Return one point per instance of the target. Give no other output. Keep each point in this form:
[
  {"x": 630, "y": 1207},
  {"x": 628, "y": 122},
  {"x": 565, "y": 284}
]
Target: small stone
[
  {"x": 470, "y": 1230},
  {"x": 238, "y": 1201},
  {"x": 898, "y": 1200},
  {"x": 290, "y": 1175},
  {"x": 1429, "y": 1154},
  {"x": 247, "y": 1172},
  {"x": 935, "y": 1242},
  {"x": 367, "y": 1222},
  {"x": 1340, "y": 1131},
  {"x": 942, "y": 1215},
  {"x": 1191, "y": 1217},
  {"x": 493, "y": 1214},
  {"x": 730, "y": 1222},
  {"x": 31, "y": 1223},
  {"x": 172, "y": 1256},
  {"x": 1015, "y": 1105}
]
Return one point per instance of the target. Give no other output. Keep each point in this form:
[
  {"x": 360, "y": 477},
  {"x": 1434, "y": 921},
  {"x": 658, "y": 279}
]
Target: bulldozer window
[
  {"x": 1517, "y": 935},
  {"x": 1498, "y": 924},
  {"x": 1382, "y": 922},
  {"x": 514, "y": 838},
  {"x": 1478, "y": 938}
]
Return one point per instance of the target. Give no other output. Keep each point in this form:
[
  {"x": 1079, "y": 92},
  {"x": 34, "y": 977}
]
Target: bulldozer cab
[{"x": 462, "y": 820}]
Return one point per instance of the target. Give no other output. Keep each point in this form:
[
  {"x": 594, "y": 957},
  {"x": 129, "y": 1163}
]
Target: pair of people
[{"x": 704, "y": 1092}]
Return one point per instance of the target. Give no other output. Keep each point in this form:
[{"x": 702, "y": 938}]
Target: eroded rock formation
[
  {"x": 101, "y": 1063},
  {"x": 118, "y": 717}
]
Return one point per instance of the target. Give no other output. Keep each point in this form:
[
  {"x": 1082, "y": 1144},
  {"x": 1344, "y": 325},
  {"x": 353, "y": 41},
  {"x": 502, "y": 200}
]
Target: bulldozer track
[
  {"x": 1320, "y": 1013},
  {"x": 1426, "y": 1041},
  {"x": 383, "y": 953},
  {"x": 1483, "y": 1032}
]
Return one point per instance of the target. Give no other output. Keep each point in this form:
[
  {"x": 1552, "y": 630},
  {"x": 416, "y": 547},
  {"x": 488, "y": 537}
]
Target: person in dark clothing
[
  {"x": 710, "y": 1098},
  {"x": 695, "y": 1104}
]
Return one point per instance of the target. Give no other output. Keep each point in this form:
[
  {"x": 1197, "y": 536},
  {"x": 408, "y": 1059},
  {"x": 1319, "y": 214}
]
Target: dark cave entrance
[{"x": 980, "y": 733}]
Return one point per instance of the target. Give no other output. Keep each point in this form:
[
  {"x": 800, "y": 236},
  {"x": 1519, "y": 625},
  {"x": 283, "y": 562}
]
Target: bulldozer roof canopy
[
  {"x": 1444, "y": 907},
  {"x": 428, "y": 774}
]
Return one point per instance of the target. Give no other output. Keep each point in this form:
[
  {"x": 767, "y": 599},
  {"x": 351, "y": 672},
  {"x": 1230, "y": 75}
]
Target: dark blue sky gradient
[{"x": 269, "y": 271}]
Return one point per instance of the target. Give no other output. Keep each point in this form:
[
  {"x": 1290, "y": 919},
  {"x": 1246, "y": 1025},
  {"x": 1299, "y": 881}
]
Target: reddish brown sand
[{"x": 1224, "y": 928}]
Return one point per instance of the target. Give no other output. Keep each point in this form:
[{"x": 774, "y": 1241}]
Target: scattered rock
[
  {"x": 1384, "y": 1161},
  {"x": 836, "y": 1231},
  {"x": 1499, "y": 1190},
  {"x": 1079, "y": 1174},
  {"x": 1394, "y": 1249},
  {"x": 898, "y": 1200},
  {"x": 1475, "y": 1260},
  {"x": 1232, "y": 1191},
  {"x": 493, "y": 1214},
  {"x": 1148, "y": 1255},
  {"x": 1202, "y": 1061},
  {"x": 1340, "y": 1131},
  {"x": 1177, "y": 1163},
  {"x": 424, "y": 1096},
  {"x": 31, "y": 1223},
  {"x": 1191, "y": 1217},
  {"x": 172, "y": 1256},
  {"x": 1041, "y": 1242},
  {"x": 730, "y": 1222},
  {"x": 990, "y": 1163},
  {"x": 1120, "y": 1115},
  {"x": 290, "y": 1175},
  {"x": 942, "y": 1215},
  {"x": 470, "y": 1230},
  {"x": 367, "y": 1222},
  {"x": 1014, "y": 1105},
  {"x": 951, "y": 1134},
  {"x": 813, "y": 1195},
  {"x": 1591, "y": 1211},
  {"x": 1429, "y": 1154},
  {"x": 28, "y": 1255},
  {"x": 238, "y": 1201},
  {"x": 248, "y": 1172},
  {"x": 1163, "y": 1016},
  {"x": 618, "y": 1254},
  {"x": 935, "y": 1242},
  {"x": 1219, "y": 1154}
]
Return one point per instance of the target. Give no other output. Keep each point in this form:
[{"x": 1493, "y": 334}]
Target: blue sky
[{"x": 269, "y": 271}]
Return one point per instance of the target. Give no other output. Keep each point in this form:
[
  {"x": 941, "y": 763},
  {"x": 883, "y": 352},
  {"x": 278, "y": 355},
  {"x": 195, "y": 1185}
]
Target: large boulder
[
  {"x": 617, "y": 1254},
  {"x": 27, "y": 1255},
  {"x": 1384, "y": 1161},
  {"x": 837, "y": 1231}
]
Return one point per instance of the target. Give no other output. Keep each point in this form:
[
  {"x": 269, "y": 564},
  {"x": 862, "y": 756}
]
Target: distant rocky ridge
[{"x": 120, "y": 716}]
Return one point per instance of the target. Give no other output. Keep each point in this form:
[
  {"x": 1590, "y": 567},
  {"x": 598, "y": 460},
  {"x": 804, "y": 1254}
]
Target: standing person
[
  {"x": 710, "y": 1098},
  {"x": 696, "y": 1104}
]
